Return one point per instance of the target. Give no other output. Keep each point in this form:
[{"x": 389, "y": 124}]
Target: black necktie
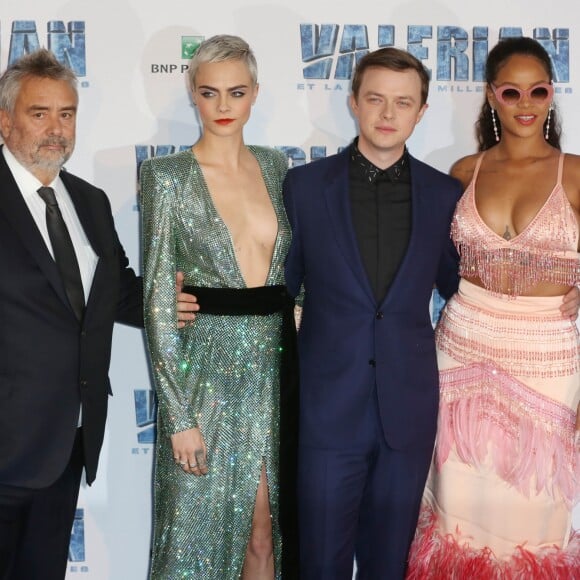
[{"x": 64, "y": 252}]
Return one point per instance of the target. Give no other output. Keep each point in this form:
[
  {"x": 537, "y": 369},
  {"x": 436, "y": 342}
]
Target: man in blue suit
[{"x": 370, "y": 241}]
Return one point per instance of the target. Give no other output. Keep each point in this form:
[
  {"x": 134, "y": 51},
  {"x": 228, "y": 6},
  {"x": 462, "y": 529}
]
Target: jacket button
[
  {"x": 372, "y": 362},
  {"x": 380, "y": 315},
  {"x": 84, "y": 383}
]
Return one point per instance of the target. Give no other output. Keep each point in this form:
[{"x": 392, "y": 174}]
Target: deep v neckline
[
  {"x": 528, "y": 226},
  {"x": 481, "y": 221},
  {"x": 218, "y": 218}
]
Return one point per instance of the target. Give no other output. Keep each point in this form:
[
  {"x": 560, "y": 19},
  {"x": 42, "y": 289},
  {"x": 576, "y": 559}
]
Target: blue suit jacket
[{"x": 347, "y": 341}]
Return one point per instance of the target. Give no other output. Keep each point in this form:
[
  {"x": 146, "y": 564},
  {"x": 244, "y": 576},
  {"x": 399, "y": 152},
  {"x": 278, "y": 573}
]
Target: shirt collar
[
  {"x": 27, "y": 182},
  {"x": 371, "y": 172}
]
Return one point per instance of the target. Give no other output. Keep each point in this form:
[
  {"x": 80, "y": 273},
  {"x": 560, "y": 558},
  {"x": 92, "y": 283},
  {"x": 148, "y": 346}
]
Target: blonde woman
[{"x": 215, "y": 212}]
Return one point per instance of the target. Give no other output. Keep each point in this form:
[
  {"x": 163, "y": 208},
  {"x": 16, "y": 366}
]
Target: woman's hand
[
  {"x": 189, "y": 451},
  {"x": 571, "y": 303}
]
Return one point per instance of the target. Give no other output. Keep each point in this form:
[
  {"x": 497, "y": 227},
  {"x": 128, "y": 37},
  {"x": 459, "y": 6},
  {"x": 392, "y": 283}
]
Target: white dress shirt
[{"x": 28, "y": 185}]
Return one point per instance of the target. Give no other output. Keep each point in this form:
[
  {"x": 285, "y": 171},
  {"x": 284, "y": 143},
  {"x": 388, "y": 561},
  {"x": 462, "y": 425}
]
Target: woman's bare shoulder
[
  {"x": 572, "y": 163},
  {"x": 463, "y": 168},
  {"x": 571, "y": 179}
]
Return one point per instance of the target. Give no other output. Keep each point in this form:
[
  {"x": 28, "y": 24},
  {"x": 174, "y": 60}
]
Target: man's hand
[
  {"x": 186, "y": 305},
  {"x": 571, "y": 303}
]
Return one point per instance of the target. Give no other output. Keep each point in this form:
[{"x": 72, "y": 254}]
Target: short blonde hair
[{"x": 219, "y": 48}]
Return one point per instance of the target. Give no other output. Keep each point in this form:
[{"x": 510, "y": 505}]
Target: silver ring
[
  {"x": 182, "y": 463},
  {"x": 192, "y": 465}
]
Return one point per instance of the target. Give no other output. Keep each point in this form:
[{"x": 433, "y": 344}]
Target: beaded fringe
[
  {"x": 545, "y": 251},
  {"x": 515, "y": 271},
  {"x": 511, "y": 340}
]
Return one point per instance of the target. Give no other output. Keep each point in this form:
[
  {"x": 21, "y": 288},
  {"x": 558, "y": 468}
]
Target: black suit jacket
[{"x": 49, "y": 362}]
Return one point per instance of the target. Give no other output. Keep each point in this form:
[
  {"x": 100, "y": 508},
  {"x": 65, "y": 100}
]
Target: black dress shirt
[{"x": 381, "y": 214}]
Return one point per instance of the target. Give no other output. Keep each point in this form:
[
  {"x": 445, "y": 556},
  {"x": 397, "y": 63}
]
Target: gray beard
[
  {"x": 50, "y": 165},
  {"x": 36, "y": 163}
]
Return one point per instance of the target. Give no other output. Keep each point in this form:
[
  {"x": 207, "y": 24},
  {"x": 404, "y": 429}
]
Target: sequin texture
[
  {"x": 221, "y": 373},
  {"x": 545, "y": 251}
]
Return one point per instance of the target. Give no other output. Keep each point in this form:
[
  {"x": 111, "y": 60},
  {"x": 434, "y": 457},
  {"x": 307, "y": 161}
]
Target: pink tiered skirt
[{"x": 505, "y": 475}]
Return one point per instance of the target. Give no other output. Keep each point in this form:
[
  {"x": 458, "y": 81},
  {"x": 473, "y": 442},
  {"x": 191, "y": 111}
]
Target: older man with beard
[{"x": 65, "y": 281}]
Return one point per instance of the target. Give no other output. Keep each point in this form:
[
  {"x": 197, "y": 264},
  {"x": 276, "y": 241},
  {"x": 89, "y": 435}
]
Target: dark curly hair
[{"x": 497, "y": 57}]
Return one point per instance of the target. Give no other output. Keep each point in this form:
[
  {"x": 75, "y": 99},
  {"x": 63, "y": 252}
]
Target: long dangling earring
[
  {"x": 547, "y": 133},
  {"x": 495, "y": 130}
]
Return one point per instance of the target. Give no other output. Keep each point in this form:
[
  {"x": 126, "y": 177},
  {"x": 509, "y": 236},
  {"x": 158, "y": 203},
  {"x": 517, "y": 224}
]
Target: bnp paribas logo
[{"x": 189, "y": 44}]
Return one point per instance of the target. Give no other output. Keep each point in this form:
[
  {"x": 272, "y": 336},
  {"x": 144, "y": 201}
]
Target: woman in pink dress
[{"x": 504, "y": 480}]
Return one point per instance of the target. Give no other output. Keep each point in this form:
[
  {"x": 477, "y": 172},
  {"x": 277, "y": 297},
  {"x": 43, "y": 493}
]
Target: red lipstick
[{"x": 224, "y": 121}]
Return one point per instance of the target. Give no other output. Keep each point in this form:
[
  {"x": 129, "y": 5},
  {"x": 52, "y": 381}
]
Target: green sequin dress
[{"x": 220, "y": 374}]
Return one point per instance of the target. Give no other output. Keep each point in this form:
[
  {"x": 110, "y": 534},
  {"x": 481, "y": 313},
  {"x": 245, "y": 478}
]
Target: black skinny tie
[{"x": 64, "y": 252}]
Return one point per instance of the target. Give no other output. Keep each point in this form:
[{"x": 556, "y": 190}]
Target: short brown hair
[{"x": 393, "y": 59}]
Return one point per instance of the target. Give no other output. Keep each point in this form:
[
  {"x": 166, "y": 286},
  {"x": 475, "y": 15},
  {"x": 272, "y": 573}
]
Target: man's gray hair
[{"x": 41, "y": 64}]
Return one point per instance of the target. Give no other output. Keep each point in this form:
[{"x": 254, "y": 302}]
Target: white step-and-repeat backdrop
[{"x": 130, "y": 57}]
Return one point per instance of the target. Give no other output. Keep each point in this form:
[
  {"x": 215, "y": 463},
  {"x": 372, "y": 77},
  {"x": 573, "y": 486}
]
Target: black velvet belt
[
  {"x": 258, "y": 301},
  {"x": 262, "y": 301}
]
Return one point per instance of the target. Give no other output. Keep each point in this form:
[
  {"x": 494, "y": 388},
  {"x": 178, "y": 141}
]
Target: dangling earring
[
  {"x": 547, "y": 133},
  {"x": 495, "y": 131}
]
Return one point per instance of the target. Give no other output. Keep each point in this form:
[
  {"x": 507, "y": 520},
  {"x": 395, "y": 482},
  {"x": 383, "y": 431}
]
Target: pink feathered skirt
[{"x": 505, "y": 474}]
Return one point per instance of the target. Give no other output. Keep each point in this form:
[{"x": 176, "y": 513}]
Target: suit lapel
[
  {"x": 83, "y": 210},
  {"x": 16, "y": 212},
  {"x": 340, "y": 213}
]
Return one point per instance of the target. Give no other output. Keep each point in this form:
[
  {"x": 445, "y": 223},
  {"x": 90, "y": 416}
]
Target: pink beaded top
[{"x": 545, "y": 251}]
